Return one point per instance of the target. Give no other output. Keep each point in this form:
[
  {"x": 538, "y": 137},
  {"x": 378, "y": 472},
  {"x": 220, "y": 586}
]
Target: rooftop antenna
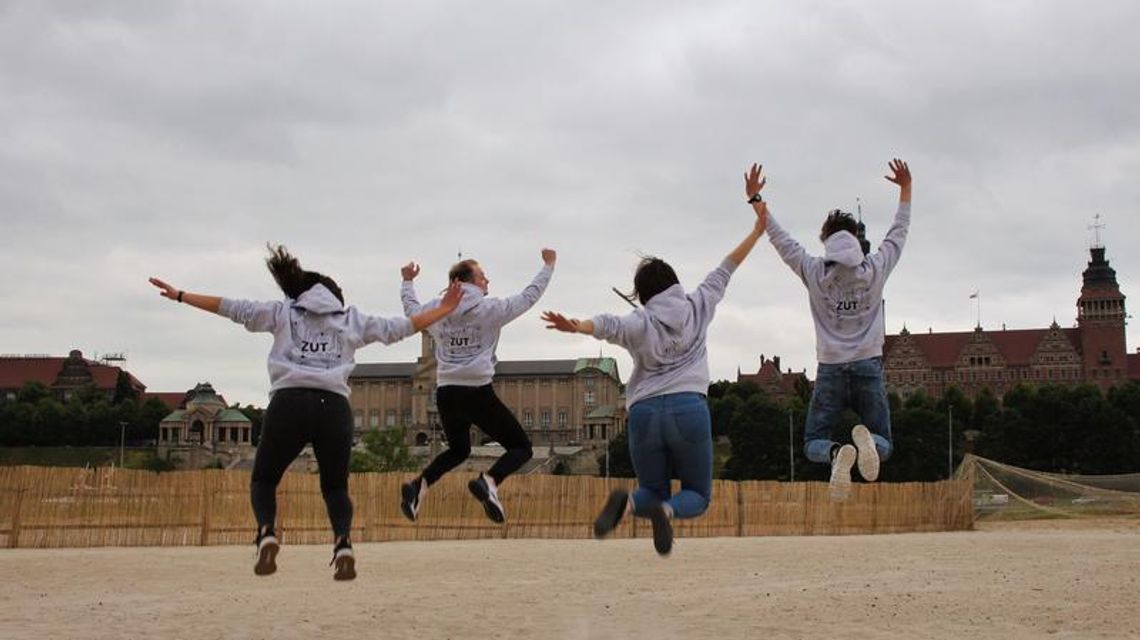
[{"x": 1096, "y": 226}]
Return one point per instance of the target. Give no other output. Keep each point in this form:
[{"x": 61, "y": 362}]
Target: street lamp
[
  {"x": 122, "y": 440},
  {"x": 791, "y": 448},
  {"x": 950, "y": 442}
]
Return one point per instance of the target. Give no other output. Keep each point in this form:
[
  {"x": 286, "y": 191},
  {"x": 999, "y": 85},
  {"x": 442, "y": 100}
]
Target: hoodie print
[
  {"x": 462, "y": 341},
  {"x": 315, "y": 343}
]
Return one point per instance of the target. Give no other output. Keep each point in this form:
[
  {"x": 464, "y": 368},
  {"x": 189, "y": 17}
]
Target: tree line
[{"x": 1075, "y": 430}]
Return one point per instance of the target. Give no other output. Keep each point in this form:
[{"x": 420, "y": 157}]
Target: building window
[
  {"x": 589, "y": 398},
  {"x": 374, "y": 418},
  {"x": 528, "y": 418},
  {"x": 390, "y": 418},
  {"x": 562, "y": 418},
  {"x": 545, "y": 418},
  {"x": 407, "y": 417},
  {"x": 589, "y": 383},
  {"x": 358, "y": 418}
]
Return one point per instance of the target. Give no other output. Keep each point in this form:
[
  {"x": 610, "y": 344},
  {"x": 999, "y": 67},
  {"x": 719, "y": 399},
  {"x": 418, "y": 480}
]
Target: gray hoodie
[
  {"x": 666, "y": 338},
  {"x": 465, "y": 340},
  {"x": 845, "y": 288},
  {"x": 314, "y": 337}
]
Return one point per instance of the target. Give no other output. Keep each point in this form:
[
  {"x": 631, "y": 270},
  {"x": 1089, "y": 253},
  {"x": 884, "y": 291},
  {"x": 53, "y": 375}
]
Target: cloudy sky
[{"x": 176, "y": 138}]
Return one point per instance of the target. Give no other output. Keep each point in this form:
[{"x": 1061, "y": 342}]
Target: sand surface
[{"x": 1008, "y": 581}]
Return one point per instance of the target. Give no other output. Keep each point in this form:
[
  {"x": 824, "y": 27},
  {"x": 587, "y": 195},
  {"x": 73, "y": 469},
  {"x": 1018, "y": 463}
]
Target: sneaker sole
[
  {"x": 611, "y": 514},
  {"x": 662, "y": 531},
  {"x": 839, "y": 486},
  {"x": 345, "y": 568},
  {"x": 868, "y": 455},
  {"x": 407, "y": 496},
  {"x": 267, "y": 559},
  {"x": 481, "y": 494}
]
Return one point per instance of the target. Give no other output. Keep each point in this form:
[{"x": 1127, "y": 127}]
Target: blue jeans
[
  {"x": 856, "y": 385},
  {"x": 671, "y": 435}
]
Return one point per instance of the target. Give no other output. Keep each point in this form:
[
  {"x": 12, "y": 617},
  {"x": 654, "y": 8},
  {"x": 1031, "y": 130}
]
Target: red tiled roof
[
  {"x": 17, "y": 371},
  {"x": 1016, "y": 346}
]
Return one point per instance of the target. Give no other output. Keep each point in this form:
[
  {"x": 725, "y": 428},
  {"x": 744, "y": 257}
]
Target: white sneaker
[
  {"x": 484, "y": 489},
  {"x": 868, "y": 454},
  {"x": 345, "y": 562},
  {"x": 840, "y": 485},
  {"x": 267, "y": 548}
]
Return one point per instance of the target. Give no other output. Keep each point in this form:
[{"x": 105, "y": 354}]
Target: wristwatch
[{"x": 755, "y": 198}]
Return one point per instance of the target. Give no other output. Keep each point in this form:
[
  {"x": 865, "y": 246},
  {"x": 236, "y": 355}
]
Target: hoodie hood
[
  {"x": 671, "y": 308},
  {"x": 472, "y": 295},
  {"x": 318, "y": 299},
  {"x": 842, "y": 247}
]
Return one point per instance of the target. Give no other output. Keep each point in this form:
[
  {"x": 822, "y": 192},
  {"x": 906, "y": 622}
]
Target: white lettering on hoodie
[
  {"x": 315, "y": 337},
  {"x": 845, "y": 288}
]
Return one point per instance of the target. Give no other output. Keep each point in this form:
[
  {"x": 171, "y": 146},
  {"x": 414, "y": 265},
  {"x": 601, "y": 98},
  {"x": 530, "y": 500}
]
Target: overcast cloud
[{"x": 176, "y": 138}]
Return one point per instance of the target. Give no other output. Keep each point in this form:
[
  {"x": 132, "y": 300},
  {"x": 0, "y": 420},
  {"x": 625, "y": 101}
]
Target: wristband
[
  {"x": 180, "y": 292},
  {"x": 756, "y": 198}
]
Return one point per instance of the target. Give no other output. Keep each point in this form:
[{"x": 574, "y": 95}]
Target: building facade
[
  {"x": 558, "y": 402},
  {"x": 63, "y": 376},
  {"x": 1093, "y": 351},
  {"x": 204, "y": 426},
  {"x": 780, "y": 385}
]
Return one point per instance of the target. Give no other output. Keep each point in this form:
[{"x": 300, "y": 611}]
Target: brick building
[
  {"x": 780, "y": 385},
  {"x": 63, "y": 376},
  {"x": 558, "y": 402},
  {"x": 1092, "y": 351}
]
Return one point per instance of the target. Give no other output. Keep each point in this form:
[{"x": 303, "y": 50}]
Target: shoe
[
  {"x": 612, "y": 513},
  {"x": 484, "y": 489},
  {"x": 267, "y": 548},
  {"x": 411, "y": 495},
  {"x": 868, "y": 454},
  {"x": 344, "y": 561},
  {"x": 662, "y": 529},
  {"x": 840, "y": 485}
]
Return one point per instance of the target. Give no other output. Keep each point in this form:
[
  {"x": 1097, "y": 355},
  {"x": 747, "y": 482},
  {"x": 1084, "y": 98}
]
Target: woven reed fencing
[{"x": 68, "y": 507}]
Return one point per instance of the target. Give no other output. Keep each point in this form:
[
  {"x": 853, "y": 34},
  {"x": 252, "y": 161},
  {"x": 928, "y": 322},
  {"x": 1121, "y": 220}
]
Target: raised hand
[
  {"x": 559, "y": 322},
  {"x": 753, "y": 181},
  {"x": 549, "y": 256},
  {"x": 167, "y": 291},
  {"x": 901, "y": 173},
  {"x": 410, "y": 271}
]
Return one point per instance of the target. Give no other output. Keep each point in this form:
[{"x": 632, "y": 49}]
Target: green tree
[
  {"x": 620, "y": 464},
  {"x": 759, "y": 436},
  {"x": 384, "y": 450}
]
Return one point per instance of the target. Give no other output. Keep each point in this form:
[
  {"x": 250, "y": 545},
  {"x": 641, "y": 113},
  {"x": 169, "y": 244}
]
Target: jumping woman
[
  {"x": 669, "y": 427},
  {"x": 314, "y": 339}
]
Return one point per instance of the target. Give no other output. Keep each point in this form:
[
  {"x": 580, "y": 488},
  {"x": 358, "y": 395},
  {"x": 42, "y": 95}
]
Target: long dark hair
[
  {"x": 294, "y": 280},
  {"x": 653, "y": 276}
]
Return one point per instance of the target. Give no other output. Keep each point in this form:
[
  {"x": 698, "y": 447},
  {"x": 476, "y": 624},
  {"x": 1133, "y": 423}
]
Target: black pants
[
  {"x": 459, "y": 408},
  {"x": 294, "y": 418}
]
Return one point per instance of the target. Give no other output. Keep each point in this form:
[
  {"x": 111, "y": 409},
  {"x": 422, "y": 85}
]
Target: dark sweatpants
[
  {"x": 459, "y": 408},
  {"x": 294, "y": 418}
]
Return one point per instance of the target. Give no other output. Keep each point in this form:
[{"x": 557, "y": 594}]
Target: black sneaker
[
  {"x": 344, "y": 561},
  {"x": 484, "y": 489},
  {"x": 411, "y": 494},
  {"x": 267, "y": 548},
  {"x": 662, "y": 529},
  {"x": 612, "y": 513}
]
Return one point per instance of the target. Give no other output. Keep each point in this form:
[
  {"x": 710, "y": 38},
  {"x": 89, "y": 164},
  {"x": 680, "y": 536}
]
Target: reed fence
[{"x": 68, "y": 507}]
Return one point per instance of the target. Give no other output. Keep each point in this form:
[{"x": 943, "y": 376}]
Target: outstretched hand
[
  {"x": 410, "y": 271},
  {"x": 901, "y": 173},
  {"x": 549, "y": 256},
  {"x": 754, "y": 182},
  {"x": 559, "y": 322},
  {"x": 453, "y": 295},
  {"x": 167, "y": 291}
]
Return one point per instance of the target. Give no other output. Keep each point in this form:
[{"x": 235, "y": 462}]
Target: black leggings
[
  {"x": 459, "y": 408},
  {"x": 294, "y": 418}
]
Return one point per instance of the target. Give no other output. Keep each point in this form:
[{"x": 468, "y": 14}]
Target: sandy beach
[{"x": 1009, "y": 581}]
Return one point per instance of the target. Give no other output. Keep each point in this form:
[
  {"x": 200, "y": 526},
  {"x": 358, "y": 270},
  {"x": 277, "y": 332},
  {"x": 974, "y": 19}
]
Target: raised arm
[
  {"x": 753, "y": 184},
  {"x": 891, "y": 248},
  {"x": 447, "y": 304},
  {"x": 408, "y": 288},
  {"x": 203, "y": 302},
  {"x": 516, "y": 305},
  {"x": 559, "y": 322}
]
